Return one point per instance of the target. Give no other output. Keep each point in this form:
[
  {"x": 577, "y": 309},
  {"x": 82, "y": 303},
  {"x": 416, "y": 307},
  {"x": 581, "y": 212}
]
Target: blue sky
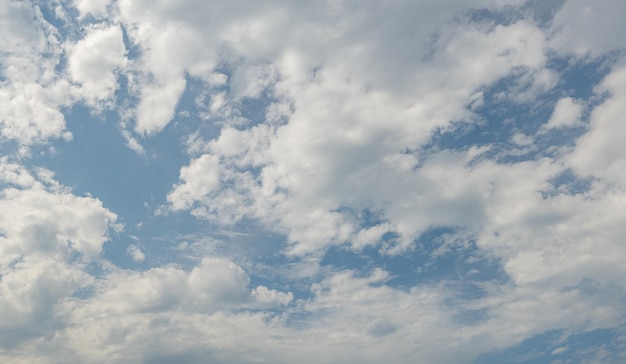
[{"x": 312, "y": 182}]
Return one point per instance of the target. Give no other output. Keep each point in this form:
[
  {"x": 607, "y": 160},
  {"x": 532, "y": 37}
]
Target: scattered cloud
[{"x": 136, "y": 253}]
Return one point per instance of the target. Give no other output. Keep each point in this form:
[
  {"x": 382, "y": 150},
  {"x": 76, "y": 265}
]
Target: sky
[{"x": 332, "y": 181}]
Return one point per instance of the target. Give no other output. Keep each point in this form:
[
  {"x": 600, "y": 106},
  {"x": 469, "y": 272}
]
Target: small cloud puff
[
  {"x": 567, "y": 113},
  {"x": 136, "y": 253}
]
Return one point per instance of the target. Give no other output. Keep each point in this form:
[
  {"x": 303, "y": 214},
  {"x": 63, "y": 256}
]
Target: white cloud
[
  {"x": 49, "y": 221},
  {"x": 248, "y": 37},
  {"x": 192, "y": 188},
  {"x": 215, "y": 284},
  {"x": 30, "y": 291},
  {"x": 265, "y": 295},
  {"x": 30, "y": 91},
  {"x": 549, "y": 241},
  {"x": 343, "y": 142},
  {"x": 599, "y": 152},
  {"x": 94, "y": 62},
  {"x": 15, "y": 174},
  {"x": 158, "y": 101},
  {"x": 47, "y": 235},
  {"x": 95, "y": 8},
  {"x": 355, "y": 93},
  {"x": 559, "y": 350},
  {"x": 355, "y": 102},
  {"x": 567, "y": 113},
  {"x": 146, "y": 316},
  {"x": 28, "y": 115},
  {"x": 136, "y": 253},
  {"x": 582, "y": 28},
  {"x": 188, "y": 309}
]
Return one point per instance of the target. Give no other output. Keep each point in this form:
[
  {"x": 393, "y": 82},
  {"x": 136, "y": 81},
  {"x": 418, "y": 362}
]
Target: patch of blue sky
[
  {"x": 440, "y": 254},
  {"x": 540, "y": 11},
  {"x": 436, "y": 258},
  {"x": 282, "y": 273},
  {"x": 52, "y": 12},
  {"x": 501, "y": 117},
  {"x": 254, "y": 108},
  {"x": 578, "y": 77},
  {"x": 133, "y": 51},
  {"x": 192, "y": 110},
  {"x": 9, "y": 146},
  {"x": 559, "y": 346},
  {"x": 195, "y": 103},
  {"x": 183, "y": 241},
  {"x": 567, "y": 182},
  {"x": 98, "y": 163}
]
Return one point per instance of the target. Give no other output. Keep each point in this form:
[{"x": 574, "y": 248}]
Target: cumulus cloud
[
  {"x": 95, "y": 8},
  {"x": 203, "y": 306},
  {"x": 567, "y": 113},
  {"x": 47, "y": 235},
  {"x": 598, "y": 152},
  {"x": 30, "y": 92},
  {"x": 40, "y": 219},
  {"x": 344, "y": 141},
  {"x": 577, "y": 27},
  {"x": 214, "y": 284},
  {"x": 352, "y": 143},
  {"x": 94, "y": 61},
  {"x": 136, "y": 253},
  {"x": 34, "y": 89}
]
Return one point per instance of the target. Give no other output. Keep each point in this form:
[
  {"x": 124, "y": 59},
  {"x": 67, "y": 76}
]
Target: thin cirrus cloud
[{"x": 329, "y": 182}]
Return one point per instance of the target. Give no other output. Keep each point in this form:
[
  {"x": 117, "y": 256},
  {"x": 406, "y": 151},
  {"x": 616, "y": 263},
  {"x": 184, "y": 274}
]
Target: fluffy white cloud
[
  {"x": 567, "y": 113},
  {"x": 348, "y": 143},
  {"x": 30, "y": 91},
  {"x": 30, "y": 292},
  {"x": 176, "y": 40},
  {"x": 194, "y": 312},
  {"x": 140, "y": 318},
  {"x": 95, "y": 8},
  {"x": 35, "y": 88},
  {"x": 584, "y": 28},
  {"x": 599, "y": 152},
  {"x": 94, "y": 62},
  {"x": 44, "y": 219},
  {"x": 136, "y": 253},
  {"x": 344, "y": 141},
  {"x": 191, "y": 188},
  {"x": 352, "y": 95},
  {"x": 158, "y": 101},
  {"x": 47, "y": 235},
  {"x": 215, "y": 284}
]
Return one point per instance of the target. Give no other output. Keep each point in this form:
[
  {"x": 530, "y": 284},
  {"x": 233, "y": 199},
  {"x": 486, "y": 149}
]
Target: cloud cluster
[
  {"x": 352, "y": 143},
  {"x": 30, "y": 91},
  {"x": 48, "y": 235},
  {"x": 44, "y": 72},
  {"x": 362, "y": 128},
  {"x": 50, "y": 291}
]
